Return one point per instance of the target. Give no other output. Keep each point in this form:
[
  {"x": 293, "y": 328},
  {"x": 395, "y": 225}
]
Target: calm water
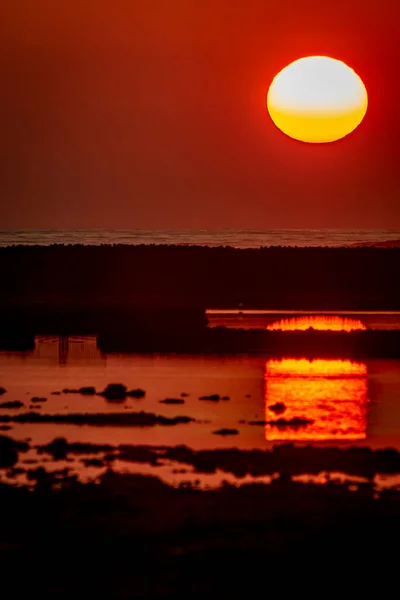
[
  {"x": 238, "y": 238},
  {"x": 346, "y": 402}
]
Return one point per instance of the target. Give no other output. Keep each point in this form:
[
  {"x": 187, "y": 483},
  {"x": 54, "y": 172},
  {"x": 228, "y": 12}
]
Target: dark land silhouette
[
  {"x": 148, "y": 338},
  {"x": 67, "y": 279},
  {"x": 153, "y": 298},
  {"x": 131, "y": 536},
  {"x": 278, "y": 344}
]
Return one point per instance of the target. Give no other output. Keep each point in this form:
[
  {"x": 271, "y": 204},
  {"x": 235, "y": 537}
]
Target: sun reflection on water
[
  {"x": 319, "y": 322},
  {"x": 331, "y": 395}
]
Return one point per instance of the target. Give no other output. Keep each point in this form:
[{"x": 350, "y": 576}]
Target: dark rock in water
[
  {"x": 160, "y": 420},
  {"x": 9, "y": 449},
  {"x": 278, "y": 408},
  {"x": 226, "y": 432},
  {"x": 55, "y": 393},
  {"x": 46, "y": 479},
  {"x": 5, "y": 427},
  {"x": 2, "y": 391},
  {"x": 94, "y": 462},
  {"x": 59, "y": 448},
  {"x": 35, "y": 406},
  {"x": 212, "y": 397},
  {"x": 242, "y": 421},
  {"x": 262, "y": 423},
  {"x": 248, "y": 396},
  {"x": 184, "y": 395},
  {"x": 136, "y": 393},
  {"x": 15, "y": 471},
  {"x": 12, "y": 404},
  {"x": 172, "y": 401},
  {"x": 37, "y": 399},
  {"x": 293, "y": 423},
  {"x": 225, "y": 398},
  {"x": 131, "y": 419},
  {"x": 115, "y": 391},
  {"x": 87, "y": 391}
]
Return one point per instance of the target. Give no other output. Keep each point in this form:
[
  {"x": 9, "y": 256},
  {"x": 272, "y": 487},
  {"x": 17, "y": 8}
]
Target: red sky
[{"x": 151, "y": 114}]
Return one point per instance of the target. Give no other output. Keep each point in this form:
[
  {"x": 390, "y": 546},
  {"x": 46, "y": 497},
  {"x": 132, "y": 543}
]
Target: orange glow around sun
[
  {"x": 317, "y": 99},
  {"x": 319, "y": 322},
  {"x": 331, "y": 394}
]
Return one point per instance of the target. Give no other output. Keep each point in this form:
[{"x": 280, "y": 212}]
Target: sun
[{"x": 317, "y": 99}]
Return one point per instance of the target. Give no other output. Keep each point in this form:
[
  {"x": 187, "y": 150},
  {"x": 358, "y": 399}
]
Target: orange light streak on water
[
  {"x": 318, "y": 322},
  {"x": 331, "y": 394}
]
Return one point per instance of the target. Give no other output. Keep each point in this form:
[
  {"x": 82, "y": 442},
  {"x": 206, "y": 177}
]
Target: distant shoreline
[
  {"x": 213, "y": 238},
  {"x": 86, "y": 289}
]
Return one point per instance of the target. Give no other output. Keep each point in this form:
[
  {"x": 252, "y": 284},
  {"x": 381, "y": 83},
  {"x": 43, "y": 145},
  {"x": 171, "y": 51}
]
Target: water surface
[
  {"x": 347, "y": 400},
  {"x": 338, "y": 402}
]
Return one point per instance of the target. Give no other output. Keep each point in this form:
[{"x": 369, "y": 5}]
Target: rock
[
  {"x": 87, "y": 391},
  {"x": 225, "y": 398},
  {"x": 55, "y": 393},
  {"x": 130, "y": 419},
  {"x": 37, "y": 399},
  {"x": 93, "y": 462},
  {"x": 15, "y": 472},
  {"x": 226, "y": 432},
  {"x": 136, "y": 393},
  {"x": 58, "y": 448},
  {"x": 212, "y": 397},
  {"x": 278, "y": 408},
  {"x": 9, "y": 449},
  {"x": 115, "y": 391},
  {"x": 248, "y": 396},
  {"x": 295, "y": 422},
  {"x": 172, "y": 401},
  {"x": 184, "y": 395},
  {"x": 12, "y": 404},
  {"x": 2, "y": 391}
]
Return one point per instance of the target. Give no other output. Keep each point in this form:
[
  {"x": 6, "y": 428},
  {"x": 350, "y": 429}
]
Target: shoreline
[{"x": 310, "y": 344}]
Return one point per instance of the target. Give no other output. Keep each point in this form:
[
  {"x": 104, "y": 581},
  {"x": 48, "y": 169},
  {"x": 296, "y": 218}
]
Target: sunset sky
[{"x": 152, "y": 114}]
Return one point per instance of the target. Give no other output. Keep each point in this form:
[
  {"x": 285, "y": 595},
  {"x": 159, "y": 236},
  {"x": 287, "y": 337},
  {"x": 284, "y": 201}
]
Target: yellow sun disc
[{"x": 317, "y": 99}]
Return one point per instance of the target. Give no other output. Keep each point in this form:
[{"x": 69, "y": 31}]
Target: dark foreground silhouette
[
  {"x": 130, "y": 536},
  {"x": 135, "y": 537},
  {"x": 286, "y": 460}
]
